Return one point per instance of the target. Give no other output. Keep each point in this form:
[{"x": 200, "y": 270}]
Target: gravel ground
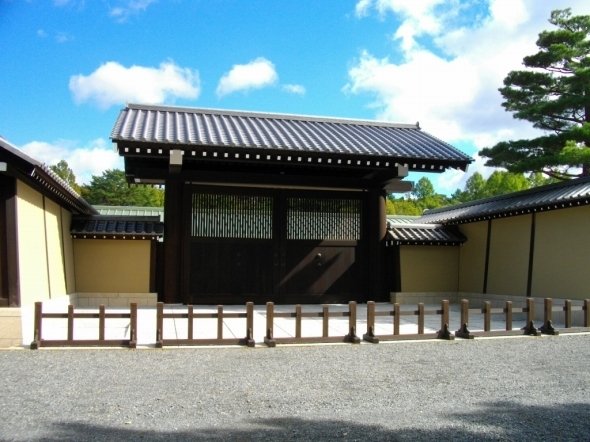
[{"x": 522, "y": 388}]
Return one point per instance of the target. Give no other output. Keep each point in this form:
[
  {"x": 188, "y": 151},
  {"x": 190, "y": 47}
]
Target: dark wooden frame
[
  {"x": 190, "y": 316},
  {"x": 9, "y": 279},
  {"x": 271, "y": 341},
  {"x": 397, "y": 313},
  {"x": 177, "y": 266},
  {"x": 39, "y": 342}
]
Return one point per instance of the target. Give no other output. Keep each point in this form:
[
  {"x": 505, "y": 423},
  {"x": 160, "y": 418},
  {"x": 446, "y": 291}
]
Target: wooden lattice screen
[
  {"x": 323, "y": 219},
  {"x": 231, "y": 216}
]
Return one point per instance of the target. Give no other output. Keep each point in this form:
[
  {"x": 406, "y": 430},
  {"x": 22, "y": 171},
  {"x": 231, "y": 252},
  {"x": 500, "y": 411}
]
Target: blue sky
[{"x": 69, "y": 66}]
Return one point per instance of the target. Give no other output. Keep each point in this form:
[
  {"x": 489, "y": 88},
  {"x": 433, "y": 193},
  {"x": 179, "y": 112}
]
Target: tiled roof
[
  {"x": 130, "y": 211},
  {"x": 42, "y": 177},
  {"x": 111, "y": 227},
  {"x": 162, "y": 127},
  {"x": 402, "y": 219},
  {"x": 424, "y": 234},
  {"x": 551, "y": 197}
]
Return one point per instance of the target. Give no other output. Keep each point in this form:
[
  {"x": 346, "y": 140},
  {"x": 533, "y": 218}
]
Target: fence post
[
  {"x": 547, "y": 327},
  {"x": 219, "y": 322},
  {"x": 396, "y": 318},
  {"x": 70, "y": 323},
  {"x": 36, "y": 343},
  {"x": 351, "y": 336},
  {"x": 249, "y": 339},
  {"x": 191, "y": 321},
  {"x": 567, "y": 312},
  {"x": 269, "y": 339},
  {"x": 421, "y": 318},
  {"x": 325, "y": 319},
  {"x": 133, "y": 325},
  {"x": 444, "y": 332},
  {"x": 508, "y": 313},
  {"x": 298, "y": 321},
  {"x": 529, "y": 328},
  {"x": 370, "y": 335},
  {"x": 487, "y": 316},
  {"x": 463, "y": 331},
  {"x": 159, "y": 324},
  {"x": 101, "y": 322}
]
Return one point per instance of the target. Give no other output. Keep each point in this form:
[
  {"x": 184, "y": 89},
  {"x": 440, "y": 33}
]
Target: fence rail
[
  {"x": 529, "y": 328},
  {"x": 397, "y": 313},
  {"x": 190, "y": 316},
  {"x": 298, "y": 314},
  {"x": 71, "y": 315}
]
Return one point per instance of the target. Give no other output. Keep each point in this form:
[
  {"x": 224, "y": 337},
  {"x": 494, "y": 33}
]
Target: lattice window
[
  {"x": 231, "y": 216},
  {"x": 323, "y": 219}
]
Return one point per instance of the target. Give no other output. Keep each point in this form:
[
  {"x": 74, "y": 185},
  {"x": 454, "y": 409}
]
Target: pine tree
[{"x": 553, "y": 93}]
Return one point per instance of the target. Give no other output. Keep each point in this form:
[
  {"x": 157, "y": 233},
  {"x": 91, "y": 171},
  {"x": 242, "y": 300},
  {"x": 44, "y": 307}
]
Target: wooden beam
[
  {"x": 8, "y": 241},
  {"x": 173, "y": 199}
]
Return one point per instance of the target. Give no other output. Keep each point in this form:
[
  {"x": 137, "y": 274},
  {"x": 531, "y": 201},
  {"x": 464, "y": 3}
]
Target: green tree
[
  {"x": 423, "y": 189},
  {"x": 501, "y": 183},
  {"x": 553, "y": 93},
  {"x": 62, "y": 170},
  {"x": 474, "y": 189},
  {"x": 111, "y": 188}
]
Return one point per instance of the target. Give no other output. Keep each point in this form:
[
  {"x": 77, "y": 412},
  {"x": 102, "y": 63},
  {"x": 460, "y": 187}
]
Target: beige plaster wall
[
  {"x": 429, "y": 268},
  {"x": 43, "y": 230},
  {"x": 561, "y": 260},
  {"x": 112, "y": 266},
  {"x": 32, "y": 250},
  {"x": 68, "y": 250},
  {"x": 472, "y": 256},
  {"x": 509, "y": 255},
  {"x": 55, "y": 252}
]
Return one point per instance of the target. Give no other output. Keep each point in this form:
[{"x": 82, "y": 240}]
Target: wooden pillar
[
  {"x": 376, "y": 232},
  {"x": 9, "y": 271},
  {"x": 173, "y": 233}
]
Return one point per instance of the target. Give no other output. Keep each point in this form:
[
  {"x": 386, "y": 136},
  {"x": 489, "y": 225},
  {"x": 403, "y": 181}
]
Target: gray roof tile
[
  {"x": 174, "y": 127},
  {"x": 43, "y": 177},
  {"x": 424, "y": 234},
  {"x": 551, "y": 197},
  {"x": 117, "y": 227}
]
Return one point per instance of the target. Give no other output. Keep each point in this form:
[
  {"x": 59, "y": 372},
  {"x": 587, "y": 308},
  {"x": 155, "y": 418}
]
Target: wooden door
[{"x": 274, "y": 245}]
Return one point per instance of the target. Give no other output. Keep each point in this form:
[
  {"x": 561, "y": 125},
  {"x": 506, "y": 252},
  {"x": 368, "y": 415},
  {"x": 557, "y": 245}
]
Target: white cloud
[
  {"x": 296, "y": 89},
  {"x": 450, "y": 84},
  {"x": 362, "y": 7},
  {"x": 114, "y": 84},
  {"x": 91, "y": 159},
  {"x": 128, "y": 8},
  {"x": 257, "y": 74}
]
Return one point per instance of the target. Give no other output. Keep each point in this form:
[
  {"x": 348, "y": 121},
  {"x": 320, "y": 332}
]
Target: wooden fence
[
  {"x": 529, "y": 328},
  {"x": 397, "y": 313},
  {"x": 298, "y": 314},
  {"x": 190, "y": 316},
  {"x": 71, "y": 315}
]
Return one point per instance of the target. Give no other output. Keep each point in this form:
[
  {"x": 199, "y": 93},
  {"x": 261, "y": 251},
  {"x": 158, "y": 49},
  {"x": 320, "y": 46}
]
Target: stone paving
[{"x": 236, "y": 327}]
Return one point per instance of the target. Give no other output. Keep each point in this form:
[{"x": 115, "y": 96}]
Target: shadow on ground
[{"x": 494, "y": 421}]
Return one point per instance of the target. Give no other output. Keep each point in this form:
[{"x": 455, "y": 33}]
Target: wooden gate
[{"x": 283, "y": 246}]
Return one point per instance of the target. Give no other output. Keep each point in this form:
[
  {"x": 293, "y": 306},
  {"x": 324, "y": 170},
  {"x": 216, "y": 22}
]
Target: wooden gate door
[
  {"x": 231, "y": 246},
  {"x": 274, "y": 245},
  {"x": 322, "y": 251}
]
